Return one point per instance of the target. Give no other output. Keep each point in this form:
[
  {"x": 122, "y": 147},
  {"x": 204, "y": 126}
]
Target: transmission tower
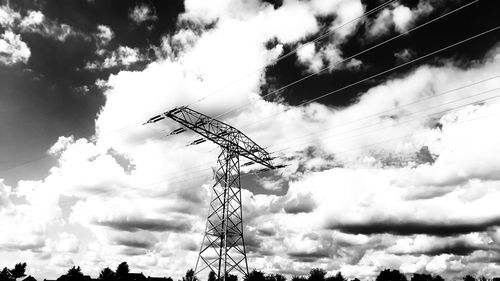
[{"x": 223, "y": 247}]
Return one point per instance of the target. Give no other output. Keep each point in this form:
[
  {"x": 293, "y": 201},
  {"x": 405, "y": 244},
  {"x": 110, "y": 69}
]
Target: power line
[
  {"x": 202, "y": 172},
  {"x": 338, "y": 90},
  {"x": 277, "y": 59},
  {"x": 342, "y": 88},
  {"x": 386, "y": 111},
  {"x": 410, "y": 120},
  {"x": 295, "y": 50},
  {"x": 284, "y": 87},
  {"x": 403, "y": 106},
  {"x": 191, "y": 177},
  {"x": 386, "y": 41},
  {"x": 407, "y": 135},
  {"x": 383, "y": 72},
  {"x": 350, "y": 57}
]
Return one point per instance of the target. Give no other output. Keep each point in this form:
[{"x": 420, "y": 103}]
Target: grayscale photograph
[{"x": 249, "y": 140}]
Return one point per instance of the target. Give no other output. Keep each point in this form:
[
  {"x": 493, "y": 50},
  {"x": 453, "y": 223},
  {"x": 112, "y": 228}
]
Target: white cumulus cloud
[{"x": 13, "y": 49}]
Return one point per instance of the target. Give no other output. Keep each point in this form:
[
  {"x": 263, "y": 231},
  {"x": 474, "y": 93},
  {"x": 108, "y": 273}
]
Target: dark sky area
[
  {"x": 437, "y": 35},
  {"x": 43, "y": 99},
  {"x": 345, "y": 194}
]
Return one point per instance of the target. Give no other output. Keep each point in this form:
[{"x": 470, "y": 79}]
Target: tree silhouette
[
  {"x": 298, "y": 278},
  {"x": 426, "y": 277},
  {"x": 438, "y": 278},
  {"x": 212, "y": 276},
  {"x": 279, "y": 277},
  {"x": 390, "y": 275},
  {"x": 19, "y": 270},
  {"x": 255, "y": 275},
  {"x": 107, "y": 274},
  {"x": 275, "y": 277},
  {"x": 231, "y": 277},
  {"x": 421, "y": 277},
  {"x": 189, "y": 276},
  {"x": 337, "y": 277},
  {"x": 469, "y": 278},
  {"x": 73, "y": 274},
  {"x": 5, "y": 275},
  {"x": 75, "y": 271},
  {"x": 122, "y": 271},
  {"x": 317, "y": 274},
  {"x": 12, "y": 274}
]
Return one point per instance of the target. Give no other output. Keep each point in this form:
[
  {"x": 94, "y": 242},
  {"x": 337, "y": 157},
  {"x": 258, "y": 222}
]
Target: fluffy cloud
[
  {"x": 68, "y": 243},
  {"x": 307, "y": 55},
  {"x": 13, "y": 49},
  {"x": 355, "y": 192},
  {"x": 33, "y": 216},
  {"x": 400, "y": 17},
  {"x": 347, "y": 19},
  {"x": 142, "y": 13},
  {"x": 105, "y": 34},
  {"x": 36, "y": 22},
  {"x": 8, "y": 16},
  {"x": 122, "y": 56},
  {"x": 34, "y": 18}
]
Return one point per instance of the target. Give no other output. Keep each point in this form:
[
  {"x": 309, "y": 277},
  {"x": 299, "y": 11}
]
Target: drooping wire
[
  {"x": 380, "y": 73},
  {"x": 326, "y": 34},
  {"x": 22, "y": 164},
  {"x": 349, "y": 58}
]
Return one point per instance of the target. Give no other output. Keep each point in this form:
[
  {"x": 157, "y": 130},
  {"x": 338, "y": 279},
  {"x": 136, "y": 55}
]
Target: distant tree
[
  {"x": 189, "y": 276},
  {"x": 390, "y": 275},
  {"x": 212, "y": 276},
  {"x": 298, "y": 278},
  {"x": 482, "y": 278},
  {"x": 356, "y": 279},
  {"x": 19, "y": 270},
  {"x": 422, "y": 277},
  {"x": 6, "y": 275},
  {"x": 12, "y": 274},
  {"x": 255, "y": 275},
  {"x": 437, "y": 278},
  {"x": 107, "y": 274},
  {"x": 469, "y": 278},
  {"x": 169, "y": 279},
  {"x": 73, "y": 274},
  {"x": 426, "y": 277},
  {"x": 279, "y": 277},
  {"x": 317, "y": 274},
  {"x": 275, "y": 277},
  {"x": 337, "y": 277},
  {"x": 231, "y": 277},
  {"x": 122, "y": 271}
]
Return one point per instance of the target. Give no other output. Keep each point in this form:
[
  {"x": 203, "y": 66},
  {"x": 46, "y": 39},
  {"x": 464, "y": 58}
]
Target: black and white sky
[{"x": 401, "y": 170}]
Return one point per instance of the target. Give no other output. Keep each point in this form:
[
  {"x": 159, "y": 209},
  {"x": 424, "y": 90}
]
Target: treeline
[
  {"x": 122, "y": 273},
  {"x": 12, "y": 274},
  {"x": 318, "y": 274}
]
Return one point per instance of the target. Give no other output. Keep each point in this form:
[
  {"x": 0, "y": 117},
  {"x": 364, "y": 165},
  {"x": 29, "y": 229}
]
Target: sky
[{"x": 384, "y": 111}]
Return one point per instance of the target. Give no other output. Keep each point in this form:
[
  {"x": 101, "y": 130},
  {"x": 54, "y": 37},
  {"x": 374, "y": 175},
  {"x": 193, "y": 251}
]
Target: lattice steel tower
[{"x": 223, "y": 247}]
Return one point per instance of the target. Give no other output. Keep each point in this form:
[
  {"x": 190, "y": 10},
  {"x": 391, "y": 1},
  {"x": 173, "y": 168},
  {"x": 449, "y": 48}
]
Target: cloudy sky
[{"x": 386, "y": 112}]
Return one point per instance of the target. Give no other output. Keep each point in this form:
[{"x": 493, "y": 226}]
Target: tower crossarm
[{"x": 218, "y": 132}]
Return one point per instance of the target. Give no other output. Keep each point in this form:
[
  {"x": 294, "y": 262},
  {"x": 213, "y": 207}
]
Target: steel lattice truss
[{"x": 223, "y": 246}]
